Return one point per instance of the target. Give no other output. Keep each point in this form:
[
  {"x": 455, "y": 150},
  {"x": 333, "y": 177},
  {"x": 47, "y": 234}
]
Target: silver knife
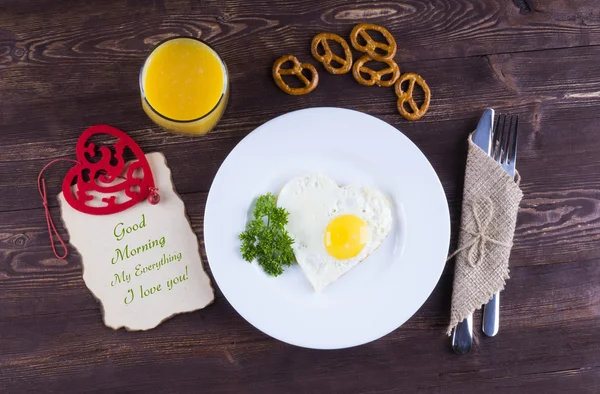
[{"x": 462, "y": 338}]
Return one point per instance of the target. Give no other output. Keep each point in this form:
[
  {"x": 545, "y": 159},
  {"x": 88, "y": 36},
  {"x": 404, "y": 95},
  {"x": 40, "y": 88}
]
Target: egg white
[{"x": 313, "y": 201}]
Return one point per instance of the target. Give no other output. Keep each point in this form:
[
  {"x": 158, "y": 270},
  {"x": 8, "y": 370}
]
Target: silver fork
[{"x": 504, "y": 151}]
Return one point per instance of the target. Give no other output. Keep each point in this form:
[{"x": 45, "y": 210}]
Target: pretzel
[
  {"x": 296, "y": 70},
  {"x": 375, "y": 76},
  {"x": 327, "y": 57},
  {"x": 407, "y": 96},
  {"x": 371, "y": 45}
]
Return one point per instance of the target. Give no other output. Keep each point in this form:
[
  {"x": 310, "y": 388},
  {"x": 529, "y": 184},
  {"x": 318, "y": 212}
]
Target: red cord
[{"x": 51, "y": 228}]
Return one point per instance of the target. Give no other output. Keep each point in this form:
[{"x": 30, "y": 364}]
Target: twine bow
[{"x": 483, "y": 212}]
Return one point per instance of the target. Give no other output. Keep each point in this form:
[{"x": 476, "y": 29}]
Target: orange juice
[{"x": 184, "y": 86}]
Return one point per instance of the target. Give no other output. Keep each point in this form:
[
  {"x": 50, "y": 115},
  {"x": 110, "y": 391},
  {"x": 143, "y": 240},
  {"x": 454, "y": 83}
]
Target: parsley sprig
[{"x": 266, "y": 239}]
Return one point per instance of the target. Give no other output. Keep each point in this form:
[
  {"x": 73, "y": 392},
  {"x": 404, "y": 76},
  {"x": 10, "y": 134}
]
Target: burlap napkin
[{"x": 489, "y": 214}]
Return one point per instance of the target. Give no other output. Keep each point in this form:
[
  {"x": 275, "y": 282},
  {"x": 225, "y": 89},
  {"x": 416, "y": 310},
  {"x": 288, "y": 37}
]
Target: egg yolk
[{"x": 346, "y": 236}]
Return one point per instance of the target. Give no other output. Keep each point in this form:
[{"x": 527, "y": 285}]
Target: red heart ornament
[{"x": 97, "y": 171}]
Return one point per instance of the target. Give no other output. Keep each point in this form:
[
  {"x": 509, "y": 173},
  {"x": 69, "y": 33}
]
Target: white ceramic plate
[{"x": 376, "y": 296}]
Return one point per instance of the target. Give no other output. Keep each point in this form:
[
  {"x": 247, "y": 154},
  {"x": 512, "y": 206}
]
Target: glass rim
[{"x": 223, "y": 93}]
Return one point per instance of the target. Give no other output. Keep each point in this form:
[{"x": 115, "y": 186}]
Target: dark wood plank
[
  {"x": 112, "y": 30},
  {"x": 67, "y": 65}
]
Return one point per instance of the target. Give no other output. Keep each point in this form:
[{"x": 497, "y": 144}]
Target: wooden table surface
[{"x": 67, "y": 65}]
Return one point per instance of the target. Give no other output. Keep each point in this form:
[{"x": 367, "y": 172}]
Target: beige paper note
[{"x": 142, "y": 264}]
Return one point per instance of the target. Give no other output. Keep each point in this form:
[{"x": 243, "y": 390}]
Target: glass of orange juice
[{"x": 184, "y": 86}]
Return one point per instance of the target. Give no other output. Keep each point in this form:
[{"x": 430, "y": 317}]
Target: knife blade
[
  {"x": 462, "y": 338},
  {"x": 483, "y": 134}
]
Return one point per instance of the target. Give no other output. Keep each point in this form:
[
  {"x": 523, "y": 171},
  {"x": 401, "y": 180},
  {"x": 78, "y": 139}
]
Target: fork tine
[
  {"x": 506, "y": 144},
  {"x": 513, "y": 151},
  {"x": 497, "y": 137},
  {"x": 502, "y": 141}
]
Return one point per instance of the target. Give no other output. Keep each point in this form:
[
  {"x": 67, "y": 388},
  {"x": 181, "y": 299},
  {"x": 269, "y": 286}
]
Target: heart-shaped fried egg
[{"x": 334, "y": 228}]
